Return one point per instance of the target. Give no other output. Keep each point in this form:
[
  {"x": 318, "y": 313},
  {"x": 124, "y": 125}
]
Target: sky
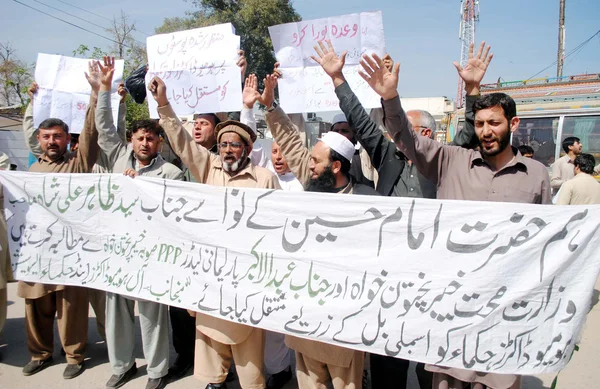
[{"x": 421, "y": 34}]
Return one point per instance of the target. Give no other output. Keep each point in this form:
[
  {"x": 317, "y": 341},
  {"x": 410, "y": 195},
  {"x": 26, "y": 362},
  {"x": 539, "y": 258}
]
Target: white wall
[{"x": 436, "y": 106}]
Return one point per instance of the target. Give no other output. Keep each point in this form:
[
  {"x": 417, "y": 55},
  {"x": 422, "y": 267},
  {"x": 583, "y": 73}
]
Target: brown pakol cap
[{"x": 241, "y": 129}]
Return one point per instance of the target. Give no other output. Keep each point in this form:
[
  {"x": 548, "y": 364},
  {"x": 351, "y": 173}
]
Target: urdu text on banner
[
  {"x": 305, "y": 87},
  {"x": 64, "y": 92},
  {"x": 199, "y": 69},
  {"x": 497, "y": 287}
]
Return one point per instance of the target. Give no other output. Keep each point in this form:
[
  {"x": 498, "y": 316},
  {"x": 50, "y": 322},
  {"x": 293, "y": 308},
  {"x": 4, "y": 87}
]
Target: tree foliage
[
  {"x": 15, "y": 77},
  {"x": 251, "y": 19}
]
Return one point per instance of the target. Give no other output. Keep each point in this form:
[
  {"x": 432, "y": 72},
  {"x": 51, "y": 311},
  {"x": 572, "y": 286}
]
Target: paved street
[{"x": 578, "y": 375}]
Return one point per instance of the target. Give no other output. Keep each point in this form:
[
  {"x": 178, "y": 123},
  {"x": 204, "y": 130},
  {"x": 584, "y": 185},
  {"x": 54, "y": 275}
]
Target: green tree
[
  {"x": 15, "y": 77},
  {"x": 135, "y": 111},
  {"x": 251, "y": 19},
  {"x": 85, "y": 52}
]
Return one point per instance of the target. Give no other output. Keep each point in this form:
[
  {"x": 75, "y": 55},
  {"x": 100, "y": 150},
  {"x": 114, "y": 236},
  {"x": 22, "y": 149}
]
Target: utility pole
[{"x": 560, "y": 61}]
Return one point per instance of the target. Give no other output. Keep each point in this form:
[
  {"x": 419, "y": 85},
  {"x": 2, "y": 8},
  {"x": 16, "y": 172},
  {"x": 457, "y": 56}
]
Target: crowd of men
[{"x": 387, "y": 152}]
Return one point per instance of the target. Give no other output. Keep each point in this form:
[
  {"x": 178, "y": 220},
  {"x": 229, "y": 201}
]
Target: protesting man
[
  {"x": 219, "y": 341},
  {"x": 140, "y": 158},
  {"x": 562, "y": 169},
  {"x": 583, "y": 188},
  {"x": 491, "y": 174},
  {"x": 97, "y": 297},
  {"x": 287, "y": 179},
  {"x": 43, "y": 302},
  {"x": 324, "y": 169}
]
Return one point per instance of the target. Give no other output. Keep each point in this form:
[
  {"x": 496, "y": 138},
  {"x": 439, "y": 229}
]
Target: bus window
[
  {"x": 587, "y": 129},
  {"x": 539, "y": 133}
]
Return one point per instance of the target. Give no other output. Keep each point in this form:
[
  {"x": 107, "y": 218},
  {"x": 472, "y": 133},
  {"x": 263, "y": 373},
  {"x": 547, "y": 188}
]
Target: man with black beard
[
  {"x": 492, "y": 174},
  {"x": 324, "y": 169}
]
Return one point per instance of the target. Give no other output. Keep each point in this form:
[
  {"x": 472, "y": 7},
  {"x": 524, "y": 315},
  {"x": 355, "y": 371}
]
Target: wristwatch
[{"x": 273, "y": 106}]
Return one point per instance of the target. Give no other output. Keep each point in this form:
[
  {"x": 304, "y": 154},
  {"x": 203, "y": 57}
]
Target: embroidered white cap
[
  {"x": 339, "y": 118},
  {"x": 339, "y": 143}
]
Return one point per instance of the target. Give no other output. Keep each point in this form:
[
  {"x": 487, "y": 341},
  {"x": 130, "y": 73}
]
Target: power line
[
  {"x": 95, "y": 14},
  {"x": 84, "y": 10},
  {"x": 77, "y": 17},
  {"x": 72, "y": 24},
  {"x": 579, "y": 47}
]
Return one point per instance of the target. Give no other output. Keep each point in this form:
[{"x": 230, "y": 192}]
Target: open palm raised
[
  {"x": 329, "y": 60},
  {"x": 379, "y": 78},
  {"x": 107, "y": 71},
  {"x": 477, "y": 65},
  {"x": 94, "y": 76}
]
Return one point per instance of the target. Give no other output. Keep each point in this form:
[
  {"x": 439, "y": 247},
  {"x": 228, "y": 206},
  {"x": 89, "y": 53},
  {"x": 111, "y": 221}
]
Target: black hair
[
  {"x": 585, "y": 162},
  {"x": 335, "y": 156},
  {"x": 150, "y": 125},
  {"x": 525, "y": 149},
  {"x": 214, "y": 117},
  {"x": 497, "y": 99},
  {"x": 569, "y": 141},
  {"x": 53, "y": 122}
]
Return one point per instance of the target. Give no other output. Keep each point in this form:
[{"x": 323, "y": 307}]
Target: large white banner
[
  {"x": 64, "y": 92},
  {"x": 199, "y": 69},
  {"x": 305, "y": 87},
  {"x": 477, "y": 285}
]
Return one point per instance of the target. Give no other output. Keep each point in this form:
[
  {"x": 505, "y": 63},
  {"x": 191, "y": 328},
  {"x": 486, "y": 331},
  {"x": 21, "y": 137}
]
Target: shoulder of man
[
  {"x": 260, "y": 171},
  {"x": 534, "y": 167},
  {"x": 360, "y": 189},
  {"x": 169, "y": 169}
]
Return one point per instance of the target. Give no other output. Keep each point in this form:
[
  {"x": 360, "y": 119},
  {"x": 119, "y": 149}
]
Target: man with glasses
[{"x": 219, "y": 341}]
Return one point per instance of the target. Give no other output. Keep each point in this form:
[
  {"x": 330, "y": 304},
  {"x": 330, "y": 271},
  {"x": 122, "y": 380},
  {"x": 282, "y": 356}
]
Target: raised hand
[
  {"x": 379, "y": 78},
  {"x": 250, "y": 93},
  {"x": 474, "y": 71},
  {"x": 32, "y": 91},
  {"x": 94, "y": 76},
  {"x": 268, "y": 96},
  {"x": 159, "y": 91},
  {"x": 330, "y": 62},
  {"x": 242, "y": 63},
  {"x": 107, "y": 72},
  {"x": 122, "y": 91}
]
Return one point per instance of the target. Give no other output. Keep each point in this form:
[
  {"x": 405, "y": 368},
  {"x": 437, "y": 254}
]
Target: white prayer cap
[
  {"x": 339, "y": 118},
  {"x": 339, "y": 143}
]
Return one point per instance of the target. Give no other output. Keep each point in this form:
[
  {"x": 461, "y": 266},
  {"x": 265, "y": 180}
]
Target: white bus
[{"x": 545, "y": 124}]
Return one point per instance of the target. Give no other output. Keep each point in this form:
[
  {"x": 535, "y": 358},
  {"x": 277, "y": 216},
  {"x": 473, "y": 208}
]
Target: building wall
[{"x": 12, "y": 143}]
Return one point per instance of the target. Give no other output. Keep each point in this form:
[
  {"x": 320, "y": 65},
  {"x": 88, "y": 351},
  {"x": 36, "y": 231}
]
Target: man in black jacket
[{"x": 397, "y": 176}]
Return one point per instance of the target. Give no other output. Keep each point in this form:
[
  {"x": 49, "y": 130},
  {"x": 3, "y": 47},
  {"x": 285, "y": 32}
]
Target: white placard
[
  {"x": 305, "y": 87},
  {"x": 498, "y": 287},
  {"x": 64, "y": 92},
  {"x": 199, "y": 69}
]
